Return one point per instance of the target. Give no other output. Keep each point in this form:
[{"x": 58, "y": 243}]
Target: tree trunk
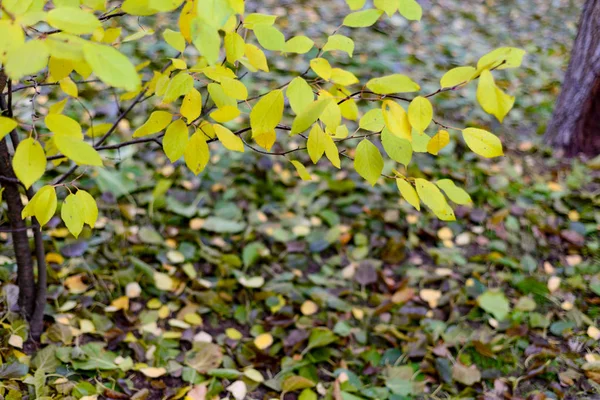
[
  {"x": 12, "y": 196},
  {"x": 575, "y": 124}
]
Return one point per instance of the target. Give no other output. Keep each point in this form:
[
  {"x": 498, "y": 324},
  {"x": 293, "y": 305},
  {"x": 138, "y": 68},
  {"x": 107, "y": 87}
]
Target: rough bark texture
[
  {"x": 575, "y": 124},
  {"x": 11, "y": 195}
]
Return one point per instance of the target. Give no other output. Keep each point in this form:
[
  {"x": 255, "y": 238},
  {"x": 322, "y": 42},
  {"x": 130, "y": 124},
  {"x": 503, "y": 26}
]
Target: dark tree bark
[{"x": 575, "y": 124}]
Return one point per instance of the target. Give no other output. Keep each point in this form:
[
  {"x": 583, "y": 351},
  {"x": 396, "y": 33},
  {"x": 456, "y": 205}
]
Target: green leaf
[
  {"x": 362, "y": 19},
  {"x": 174, "y": 39},
  {"x": 73, "y": 20},
  {"x": 72, "y": 214},
  {"x": 368, "y": 161},
  {"x": 372, "y": 121},
  {"x": 299, "y": 94},
  {"x": 398, "y": 149},
  {"x": 483, "y": 142},
  {"x": 420, "y": 113},
  {"x": 269, "y": 37},
  {"x": 26, "y": 59},
  {"x": 320, "y": 337},
  {"x": 495, "y": 303},
  {"x": 112, "y": 67},
  {"x": 207, "y": 40},
  {"x": 179, "y": 86},
  {"x": 390, "y": 84},
  {"x": 410, "y": 9},
  {"x": 296, "y": 382},
  {"x": 298, "y": 45},
  {"x": 96, "y": 358},
  {"x": 6, "y": 125},
  {"x": 454, "y": 193},
  {"x": 309, "y": 115},
  {"x": 267, "y": 113}
]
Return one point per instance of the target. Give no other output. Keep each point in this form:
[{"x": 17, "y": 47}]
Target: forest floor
[{"x": 246, "y": 280}]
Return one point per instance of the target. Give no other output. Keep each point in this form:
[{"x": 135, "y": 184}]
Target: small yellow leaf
[
  {"x": 420, "y": 113},
  {"x": 152, "y": 372},
  {"x": 316, "y": 143},
  {"x": 228, "y": 139},
  {"x": 431, "y": 296},
  {"x": 42, "y": 206},
  {"x": 396, "y": 119},
  {"x": 191, "y": 106},
  {"x": 196, "y": 153},
  {"x": 309, "y": 115},
  {"x": 175, "y": 140},
  {"x": 6, "y": 126},
  {"x": 438, "y": 142},
  {"x": 434, "y": 199},
  {"x": 302, "y": 171},
  {"x": 234, "y": 47},
  {"x": 266, "y": 140},
  {"x": 362, "y": 19},
  {"x": 75, "y": 149},
  {"x": 89, "y": 207},
  {"x": 69, "y": 87},
  {"x": 454, "y": 193},
  {"x": 368, "y": 161},
  {"x": 409, "y": 193},
  {"x": 174, "y": 39},
  {"x": 341, "y": 43},
  {"x": 256, "y": 57},
  {"x": 163, "y": 281},
  {"x": 56, "y": 108},
  {"x": 179, "y": 86},
  {"x": 267, "y": 113},
  {"x": 483, "y": 142},
  {"x": 29, "y": 162},
  {"x": 225, "y": 114},
  {"x": 309, "y": 307},
  {"x": 73, "y": 20},
  {"x": 410, "y": 9},
  {"x": 372, "y": 121},
  {"x": 72, "y": 214},
  {"x": 234, "y": 88},
  {"x": 263, "y": 341},
  {"x": 457, "y": 76},
  {"x": 493, "y": 100},
  {"x": 157, "y": 121},
  {"x": 321, "y": 67},
  {"x": 502, "y": 58},
  {"x": 342, "y": 77},
  {"x": 390, "y": 84},
  {"x": 298, "y": 45}
]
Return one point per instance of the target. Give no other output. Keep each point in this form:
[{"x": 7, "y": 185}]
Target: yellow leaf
[
  {"x": 89, "y": 207},
  {"x": 368, "y": 161},
  {"x": 6, "y": 126},
  {"x": 396, "y": 119},
  {"x": 493, "y": 100},
  {"x": 178, "y": 63},
  {"x": 11, "y": 36},
  {"x": 298, "y": 45},
  {"x": 174, "y": 39},
  {"x": 309, "y": 115},
  {"x": 179, "y": 86},
  {"x": 217, "y": 94},
  {"x": 255, "y": 19},
  {"x": 213, "y": 12},
  {"x": 372, "y": 121},
  {"x": 457, "y": 76},
  {"x": 316, "y": 143},
  {"x": 58, "y": 123},
  {"x": 269, "y": 37},
  {"x": 387, "y": 6},
  {"x": 266, "y": 140},
  {"x": 73, "y": 20},
  {"x": 340, "y": 43},
  {"x": 218, "y": 72},
  {"x": 42, "y": 206},
  {"x": 59, "y": 68},
  {"x": 419, "y": 141},
  {"x": 72, "y": 214},
  {"x": 483, "y": 142},
  {"x": 390, "y": 84},
  {"x": 454, "y": 193},
  {"x": 56, "y": 108},
  {"x": 112, "y": 67},
  {"x": 153, "y": 372},
  {"x": 111, "y": 34},
  {"x": 420, "y": 113},
  {"x": 309, "y": 307},
  {"x": 157, "y": 121},
  {"x": 331, "y": 151},
  {"x": 191, "y": 106},
  {"x": 342, "y": 77},
  {"x": 29, "y": 162},
  {"x": 175, "y": 140},
  {"x": 356, "y": 4},
  {"x": 410, "y": 9},
  {"x": 196, "y": 153},
  {"x": 362, "y": 19},
  {"x": 438, "y": 142},
  {"x": 321, "y": 67},
  {"x": 502, "y": 58},
  {"x": 331, "y": 115},
  {"x": 225, "y": 114},
  {"x": 267, "y": 113},
  {"x": 234, "y": 88},
  {"x": 409, "y": 193},
  {"x": 69, "y": 87},
  {"x": 229, "y": 140},
  {"x": 301, "y": 169},
  {"x": 26, "y": 59},
  {"x": 263, "y": 341},
  {"x": 300, "y": 94},
  {"x": 256, "y": 57},
  {"x": 75, "y": 149},
  {"x": 434, "y": 199},
  {"x": 165, "y": 5},
  {"x": 234, "y": 47}
]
